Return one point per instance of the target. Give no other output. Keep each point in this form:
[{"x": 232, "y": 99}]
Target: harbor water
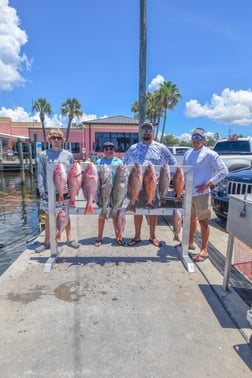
[{"x": 19, "y": 215}]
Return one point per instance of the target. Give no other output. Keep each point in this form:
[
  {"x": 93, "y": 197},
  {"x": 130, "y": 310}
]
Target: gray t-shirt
[{"x": 50, "y": 156}]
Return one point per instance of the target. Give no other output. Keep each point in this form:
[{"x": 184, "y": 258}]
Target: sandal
[
  {"x": 155, "y": 242},
  {"x": 73, "y": 244},
  {"x": 133, "y": 242},
  {"x": 192, "y": 247},
  {"x": 200, "y": 258},
  {"x": 42, "y": 248},
  {"x": 98, "y": 243},
  {"x": 120, "y": 242}
]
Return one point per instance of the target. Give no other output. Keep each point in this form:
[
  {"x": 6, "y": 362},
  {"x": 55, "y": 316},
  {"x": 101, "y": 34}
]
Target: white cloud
[
  {"x": 155, "y": 83},
  {"x": 231, "y": 107},
  {"x": 12, "y": 38},
  {"x": 20, "y": 115}
]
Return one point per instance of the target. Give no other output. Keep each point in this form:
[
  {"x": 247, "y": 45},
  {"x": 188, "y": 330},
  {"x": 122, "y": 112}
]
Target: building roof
[{"x": 121, "y": 120}]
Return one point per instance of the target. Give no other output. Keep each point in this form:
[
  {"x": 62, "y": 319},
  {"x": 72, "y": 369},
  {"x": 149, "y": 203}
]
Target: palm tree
[
  {"x": 168, "y": 97},
  {"x": 42, "y": 106},
  {"x": 72, "y": 108}
]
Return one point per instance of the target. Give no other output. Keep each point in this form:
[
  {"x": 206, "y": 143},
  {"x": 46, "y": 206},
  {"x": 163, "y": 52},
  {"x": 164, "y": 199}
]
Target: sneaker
[
  {"x": 42, "y": 248},
  {"x": 73, "y": 244}
]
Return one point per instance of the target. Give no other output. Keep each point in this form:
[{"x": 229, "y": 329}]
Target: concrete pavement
[{"x": 121, "y": 312}]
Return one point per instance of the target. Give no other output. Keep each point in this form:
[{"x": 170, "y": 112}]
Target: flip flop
[
  {"x": 200, "y": 258},
  {"x": 155, "y": 242},
  {"x": 120, "y": 241},
  {"x": 133, "y": 242},
  {"x": 192, "y": 247}
]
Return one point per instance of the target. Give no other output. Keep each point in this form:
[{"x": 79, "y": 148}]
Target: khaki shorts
[{"x": 200, "y": 207}]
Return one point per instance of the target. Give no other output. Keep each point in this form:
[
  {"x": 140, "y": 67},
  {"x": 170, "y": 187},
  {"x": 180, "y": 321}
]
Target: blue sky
[{"x": 90, "y": 50}]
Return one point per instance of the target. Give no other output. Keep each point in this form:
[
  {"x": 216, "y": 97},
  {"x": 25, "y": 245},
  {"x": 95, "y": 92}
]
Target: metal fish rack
[{"x": 165, "y": 209}]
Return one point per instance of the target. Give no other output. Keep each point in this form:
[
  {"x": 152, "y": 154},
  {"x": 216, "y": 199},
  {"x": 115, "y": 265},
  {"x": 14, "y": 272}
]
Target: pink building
[{"x": 87, "y": 141}]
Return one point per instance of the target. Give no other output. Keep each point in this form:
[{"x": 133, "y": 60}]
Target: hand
[{"x": 202, "y": 188}]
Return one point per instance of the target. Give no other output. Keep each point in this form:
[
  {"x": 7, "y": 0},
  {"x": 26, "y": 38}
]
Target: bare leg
[
  {"x": 138, "y": 220},
  {"x": 205, "y": 231},
  {"x": 193, "y": 227},
  {"x": 153, "y": 223},
  {"x": 47, "y": 231}
]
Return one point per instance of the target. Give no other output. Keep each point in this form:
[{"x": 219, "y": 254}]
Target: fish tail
[
  {"x": 103, "y": 214},
  {"x": 112, "y": 214},
  {"x": 131, "y": 207},
  {"x": 61, "y": 198},
  {"x": 89, "y": 209},
  {"x": 71, "y": 202},
  {"x": 58, "y": 236}
]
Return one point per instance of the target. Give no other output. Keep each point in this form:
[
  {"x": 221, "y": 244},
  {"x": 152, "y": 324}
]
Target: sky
[{"x": 90, "y": 50}]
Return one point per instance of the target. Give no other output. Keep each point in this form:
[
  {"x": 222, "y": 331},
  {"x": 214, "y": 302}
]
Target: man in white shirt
[{"x": 208, "y": 170}]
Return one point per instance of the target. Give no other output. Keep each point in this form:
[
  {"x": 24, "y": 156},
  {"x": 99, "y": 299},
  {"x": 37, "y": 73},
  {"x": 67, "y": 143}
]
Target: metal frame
[
  {"x": 185, "y": 209},
  {"x": 239, "y": 226}
]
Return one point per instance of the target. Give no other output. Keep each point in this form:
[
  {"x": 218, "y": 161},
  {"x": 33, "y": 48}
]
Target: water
[{"x": 19, "y": 216}]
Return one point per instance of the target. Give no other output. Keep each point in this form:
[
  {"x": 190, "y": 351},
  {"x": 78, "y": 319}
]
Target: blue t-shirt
[{"x": 114, "y": 161}]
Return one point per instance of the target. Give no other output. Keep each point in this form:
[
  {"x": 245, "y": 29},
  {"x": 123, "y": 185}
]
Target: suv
[{"x": 235, "y": 183}]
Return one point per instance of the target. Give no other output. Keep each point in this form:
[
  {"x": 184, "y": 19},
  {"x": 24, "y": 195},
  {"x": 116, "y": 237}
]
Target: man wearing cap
[
  {"x": 109, "y": 158},
  {"x": 208, "y": 170},
  {"x": 145, "y": 152}
]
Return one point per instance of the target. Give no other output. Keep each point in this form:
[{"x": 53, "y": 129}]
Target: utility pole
[{"x": 142, "y": 63}]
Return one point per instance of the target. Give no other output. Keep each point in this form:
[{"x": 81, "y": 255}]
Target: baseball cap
[
  {"x": 108, "y": 144},
  {"x": 199, "y": 131},
  {"x": 147, "y": 124}
]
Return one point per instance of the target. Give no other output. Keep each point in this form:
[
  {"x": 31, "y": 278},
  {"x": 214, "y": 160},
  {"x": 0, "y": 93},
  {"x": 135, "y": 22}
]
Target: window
[{"x": 122, "y": 141}]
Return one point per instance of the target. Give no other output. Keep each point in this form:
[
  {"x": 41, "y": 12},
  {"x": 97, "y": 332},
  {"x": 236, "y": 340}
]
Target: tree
[
  {"x": 168, "y": 96},
  {"x": 42, "y": 106},
  {"x": 72, "y": 108}
]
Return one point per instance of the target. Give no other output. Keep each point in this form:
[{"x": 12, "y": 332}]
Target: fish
[
  {"x": 89, "y": 186},
  {"x": 149, "y": 185},
  {"x": 179, "y": 183},
  {"x": 62, "y": 220},
  {"x": 134, "y": 187},
  {"x": 164, "y": 182},
  {"x": 74, "y": 180},
  {"x": 119, "y": 189},
  {"x": 120, "y": 221},
  {"x": 105, "y": 187},
  {"x": 60, "y": 180},
  {"x": 177, "y": 222}
]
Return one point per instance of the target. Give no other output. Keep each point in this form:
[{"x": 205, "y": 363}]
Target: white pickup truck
[{"x": 235, "y": 152}]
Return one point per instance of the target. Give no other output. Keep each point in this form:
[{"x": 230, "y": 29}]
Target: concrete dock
[{"x": 120, "y": 312}]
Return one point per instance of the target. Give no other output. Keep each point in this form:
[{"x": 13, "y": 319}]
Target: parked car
[
  {"x": 235, "y": 183},
  {"x": 241, "y": 146},
  {"x": 178, "y": 152}
]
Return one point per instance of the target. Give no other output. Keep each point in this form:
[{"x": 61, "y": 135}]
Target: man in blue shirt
[{"x": 145, "y": 152}]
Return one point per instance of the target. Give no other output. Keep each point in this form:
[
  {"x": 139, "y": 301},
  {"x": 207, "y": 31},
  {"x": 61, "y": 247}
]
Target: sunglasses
[
  {"x": 109, "y": 148},
  {"x": 197, "y": 137},
  {"x": 147, "y": 129},
  {"x": 56, "y": 137}
]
